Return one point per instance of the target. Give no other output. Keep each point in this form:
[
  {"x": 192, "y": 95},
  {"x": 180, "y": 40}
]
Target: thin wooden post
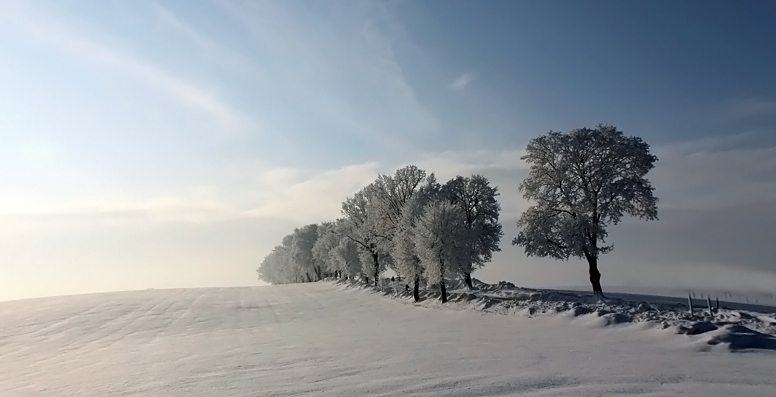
[
  {"x": 711, "y": 310},
  {"x": 689, "y": 300}
]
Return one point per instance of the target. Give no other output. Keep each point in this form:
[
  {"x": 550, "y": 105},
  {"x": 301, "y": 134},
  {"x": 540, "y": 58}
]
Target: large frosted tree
[
  {"x": 373, "y": 215},
  {"x": 392, "y": 193},
  {"x": 477, "y": 199},
  {"x": 582, "y": 182},
  {"x": 404, "y": 250},
  {"x": 328, "y": 239},
  {"x": 442, "y": 242},
  {"x": 302, "y": 245},
  {"x": 363, "y": 227}
]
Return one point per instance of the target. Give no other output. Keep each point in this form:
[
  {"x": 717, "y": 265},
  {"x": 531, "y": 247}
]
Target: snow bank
[{"x": 734, "y": 329}]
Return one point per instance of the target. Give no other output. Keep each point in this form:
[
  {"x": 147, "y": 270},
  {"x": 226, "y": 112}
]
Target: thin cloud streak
[
  {"x": 343, "y": 74},
  {"x": 223, "y": 55},
  {"x": 70, "y": 41},
  {"x": 750, "y": 107},
  {"x": 461, "y": 81}
]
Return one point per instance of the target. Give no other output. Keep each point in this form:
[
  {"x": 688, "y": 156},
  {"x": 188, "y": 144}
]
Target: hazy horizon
[{"x": 172, "y": 145}]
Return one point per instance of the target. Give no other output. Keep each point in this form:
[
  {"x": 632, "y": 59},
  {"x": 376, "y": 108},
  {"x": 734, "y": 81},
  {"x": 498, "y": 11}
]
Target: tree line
[
  {"x": 426, "y": 232},
  {"x": 581, "y": 182}
]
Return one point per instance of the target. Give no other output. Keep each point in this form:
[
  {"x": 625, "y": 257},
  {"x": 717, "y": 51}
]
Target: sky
[{"x": 173, "y": 144}]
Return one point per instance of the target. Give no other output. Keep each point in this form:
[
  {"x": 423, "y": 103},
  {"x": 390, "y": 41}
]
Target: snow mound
[
  {"x": 696, "y": 328},
  {"x": 736, "y": 329},
  {"x": 739, "y": 337}
]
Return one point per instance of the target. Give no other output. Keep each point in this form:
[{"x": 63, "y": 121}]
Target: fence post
[
  {"x": 711, "y": 310},
  {"x": 689, "y": 300}
]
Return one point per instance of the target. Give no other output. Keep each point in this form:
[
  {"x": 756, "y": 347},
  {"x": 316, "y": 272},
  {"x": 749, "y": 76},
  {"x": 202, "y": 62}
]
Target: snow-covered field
[{"x": 326, "y": 339}]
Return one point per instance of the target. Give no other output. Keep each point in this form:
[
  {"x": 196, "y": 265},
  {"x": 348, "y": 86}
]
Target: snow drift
[{"x": 736, "y": 329}]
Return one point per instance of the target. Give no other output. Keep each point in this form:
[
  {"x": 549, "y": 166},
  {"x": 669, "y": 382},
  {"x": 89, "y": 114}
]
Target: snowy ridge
[{"x": 738, "y": 329}]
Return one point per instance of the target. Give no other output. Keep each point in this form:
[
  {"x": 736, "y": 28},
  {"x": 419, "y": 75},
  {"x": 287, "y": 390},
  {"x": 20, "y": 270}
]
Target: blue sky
[{"x": 172, "y": 144}]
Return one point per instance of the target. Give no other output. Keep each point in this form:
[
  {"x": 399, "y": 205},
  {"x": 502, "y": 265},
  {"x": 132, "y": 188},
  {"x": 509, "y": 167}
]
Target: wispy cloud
[
  {"x": 461, "y": 81},
  {"x": 217, "y": 52},
  {"x": 749, "y": 107},
  {"x": 314, "y": 197},
  {"x": 340, "y": 70},
  {"x": 710, "y": 173},
  {"x": 91, "y": 50}
]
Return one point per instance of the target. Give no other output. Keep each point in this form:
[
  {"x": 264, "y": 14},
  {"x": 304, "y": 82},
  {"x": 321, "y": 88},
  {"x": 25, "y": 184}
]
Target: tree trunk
[
  {"x": 416, "y": 289},
  {"x": 366, "y": 279},
  {"x": 309, "y": 279},
  {"x": 442, "y": 287},
  {"x": 443, "y": 290},
  {"x": 467, "y": 278},
  {"x": 377, "y": 268},
  {"x": 595, "y": 275}
]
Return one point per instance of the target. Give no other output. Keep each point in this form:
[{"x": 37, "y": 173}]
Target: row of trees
[
  {"x": 426, "y": 232},
  {"x": 580, "y": 182}
]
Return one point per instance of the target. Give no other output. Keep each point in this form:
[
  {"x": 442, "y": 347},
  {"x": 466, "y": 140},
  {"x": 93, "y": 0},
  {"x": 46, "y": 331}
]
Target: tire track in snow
[
  {"x": 154, "y": 316},
  {"x": 186, "y": 317},
  {"x": 122, "y": 315},
  {"x": 64, "y": 321}
]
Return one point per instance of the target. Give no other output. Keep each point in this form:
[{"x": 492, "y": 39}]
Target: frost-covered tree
[
  {"x": 392, "y": 193},
  {"x": 442, "y": 242},
  {"x": 271, "y": 269},
  {"x": 477, "y": 199},
  {"x": 278, "y": 267},
  {"x": 582, "y": 182},
  {"x": 302, "y": 251},
  {"x": 362, "y": 226},
  {"x": 347, "y": 258},
  {"x": 404, "y": 252},
  {"x": 328, "y": 239}
]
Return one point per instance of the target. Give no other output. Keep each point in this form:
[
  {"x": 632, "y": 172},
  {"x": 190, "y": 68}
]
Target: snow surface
[
  {"x": 327, "y": 339},
  {"x": 736, "y": 326}
]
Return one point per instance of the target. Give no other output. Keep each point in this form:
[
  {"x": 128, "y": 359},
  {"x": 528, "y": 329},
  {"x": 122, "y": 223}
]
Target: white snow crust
[
  {"x": 325, "y": 339},
  {"x": 736, "y": 326}
]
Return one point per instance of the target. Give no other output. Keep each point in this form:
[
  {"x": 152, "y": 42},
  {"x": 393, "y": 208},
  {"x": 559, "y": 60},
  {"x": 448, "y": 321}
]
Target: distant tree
[
  {"x": 347, "y": 258},
  {"x": 328, "y": 240},
  {"x": 477, "y": 199},
  {"x": 302, "y": 251},
  {"x": 582, "y": 182},
  {"x": 278, "y": 267},
  {"x": 442, "y": 242},
  {"x": 269, "y": 270}
]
